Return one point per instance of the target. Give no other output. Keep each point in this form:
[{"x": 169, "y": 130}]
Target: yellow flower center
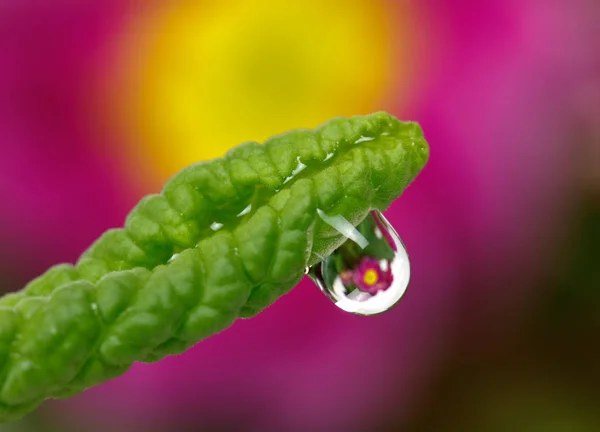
[
  {"x": 201, "y": 77},
  {"x": 370, "y": 277}
]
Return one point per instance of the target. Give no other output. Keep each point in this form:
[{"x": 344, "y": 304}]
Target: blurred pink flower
[
  {"x": 494, "y": 104},
  {"x": 60, "y": 188}
]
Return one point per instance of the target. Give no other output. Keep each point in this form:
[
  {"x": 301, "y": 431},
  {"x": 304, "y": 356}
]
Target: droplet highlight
[
  {"x": 299, "y": 168},
  {"x": 246, "y": 210},
  {"x": 216, "y": 226},
  {"x": 370, "y": 272}
]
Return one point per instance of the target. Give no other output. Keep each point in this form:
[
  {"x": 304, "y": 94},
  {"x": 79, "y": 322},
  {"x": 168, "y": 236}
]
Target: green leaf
[{"x": 130, "y": 298}]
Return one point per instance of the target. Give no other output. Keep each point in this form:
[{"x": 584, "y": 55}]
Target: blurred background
[{"x": 101, "y": 102}]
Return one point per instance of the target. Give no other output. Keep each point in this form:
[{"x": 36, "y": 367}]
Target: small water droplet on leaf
[{"x": 366, "y": 277}]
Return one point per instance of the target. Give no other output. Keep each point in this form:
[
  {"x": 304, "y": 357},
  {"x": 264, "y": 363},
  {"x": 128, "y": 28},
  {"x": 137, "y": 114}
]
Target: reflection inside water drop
[{"x": 370, "y": 272}]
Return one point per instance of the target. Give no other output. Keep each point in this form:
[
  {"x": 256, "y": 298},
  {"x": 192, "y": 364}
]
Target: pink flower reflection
[{"x": 370, "y": 277}]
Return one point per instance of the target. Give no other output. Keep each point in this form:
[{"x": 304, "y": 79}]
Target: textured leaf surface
[{"x": 223, "y": 240}]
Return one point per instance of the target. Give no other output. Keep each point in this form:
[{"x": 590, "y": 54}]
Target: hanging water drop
[{"x": 369, "y": 273}]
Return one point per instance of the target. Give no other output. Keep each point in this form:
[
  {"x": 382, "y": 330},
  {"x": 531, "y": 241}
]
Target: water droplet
[
  {"x": 246, "y": 210},
  {"x": 344, "y": 227},
  {"x": 370, "y": 272},
  {"x": 363, "y": 139},
  {"x": 216, "y": 226},
  {"x": 299, "y": 168}
]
